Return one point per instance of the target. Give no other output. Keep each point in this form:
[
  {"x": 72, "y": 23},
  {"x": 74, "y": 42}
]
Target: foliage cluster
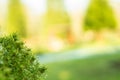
[
  {"x": 99, "y": 16},
  {"x": 17, "y": 61}
]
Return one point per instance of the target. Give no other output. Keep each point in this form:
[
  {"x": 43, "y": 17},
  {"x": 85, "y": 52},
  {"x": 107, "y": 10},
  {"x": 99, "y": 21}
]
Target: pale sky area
[
  {"x": 76, "y": 5},
  {"x": 35, "y": 6},
  {"x": 39, "y": 6}
]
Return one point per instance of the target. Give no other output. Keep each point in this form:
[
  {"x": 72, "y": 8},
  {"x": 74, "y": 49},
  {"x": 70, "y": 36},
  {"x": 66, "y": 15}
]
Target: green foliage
[
  {"x": 16, "y": 18},
  {"x": 99, "y": 16},
  {"x": 17, "y": 61}
]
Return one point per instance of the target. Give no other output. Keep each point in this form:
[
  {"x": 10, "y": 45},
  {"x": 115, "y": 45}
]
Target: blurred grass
[{"x": 103, "y": 67}]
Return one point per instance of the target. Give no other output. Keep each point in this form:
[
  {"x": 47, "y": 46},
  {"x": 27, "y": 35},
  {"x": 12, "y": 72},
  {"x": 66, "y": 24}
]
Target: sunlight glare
[
  {"x": 35, "y": 6},
  {"x": 76, "y": 5}
]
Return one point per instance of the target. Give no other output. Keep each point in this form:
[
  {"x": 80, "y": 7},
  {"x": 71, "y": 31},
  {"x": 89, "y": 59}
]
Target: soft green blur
[
  {"x": 16, "y": 21},
  {"x": 102, "y": 67},
  {"x": 100, "y": 16},
  {"x": 73, "y": 30}
]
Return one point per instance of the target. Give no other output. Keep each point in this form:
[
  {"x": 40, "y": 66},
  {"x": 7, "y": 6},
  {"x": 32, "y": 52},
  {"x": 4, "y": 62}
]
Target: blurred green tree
[
  {"x": 16, "y": 18},
  {"x": 56, "y": 17},
  {"x": 56, "y": 20},
  {"x": 56, "y": 13},
  {"x": 99, "y": 16}
]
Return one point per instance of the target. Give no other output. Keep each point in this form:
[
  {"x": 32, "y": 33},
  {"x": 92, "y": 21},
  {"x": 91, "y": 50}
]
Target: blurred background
[{"x": 77, "y": 39}]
